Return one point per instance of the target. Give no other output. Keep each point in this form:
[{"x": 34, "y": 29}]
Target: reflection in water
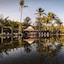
[
  {"x": 29, "y": 41},
  {"x": 15, "y": 50}
]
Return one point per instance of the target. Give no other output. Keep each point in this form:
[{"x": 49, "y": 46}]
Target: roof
[{"x": 30, "y": 28}]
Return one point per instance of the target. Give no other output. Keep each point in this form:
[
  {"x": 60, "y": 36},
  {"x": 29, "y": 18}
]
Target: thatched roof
[{"x": 30, "y": 28}]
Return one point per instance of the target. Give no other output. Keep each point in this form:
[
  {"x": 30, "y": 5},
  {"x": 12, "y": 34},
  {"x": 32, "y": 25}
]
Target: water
[{"x": 15, "y": 50}]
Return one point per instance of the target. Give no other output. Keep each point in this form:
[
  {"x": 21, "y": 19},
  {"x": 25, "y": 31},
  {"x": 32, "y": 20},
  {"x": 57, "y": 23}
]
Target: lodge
[{"x": 30, "y": 32}]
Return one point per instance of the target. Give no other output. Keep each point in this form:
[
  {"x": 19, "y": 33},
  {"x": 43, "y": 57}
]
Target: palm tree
[
  {"x": 22, "y": 6},
  {"x": 40, "y": 12},
  {"x": 51, "y": 16}
]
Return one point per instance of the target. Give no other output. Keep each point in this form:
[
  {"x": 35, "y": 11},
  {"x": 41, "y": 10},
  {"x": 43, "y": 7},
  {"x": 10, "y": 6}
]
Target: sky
[{"x": 11, "y": 8}]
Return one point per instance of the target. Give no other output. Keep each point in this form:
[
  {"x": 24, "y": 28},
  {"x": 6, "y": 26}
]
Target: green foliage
[
  {"x": 21, "y": 2},
  {"x": 42, "y": 21}
]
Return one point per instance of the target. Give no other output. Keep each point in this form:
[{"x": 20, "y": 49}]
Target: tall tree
[
  {"x": 40, "y": 13},
  {"x": 21, "y": 7}
]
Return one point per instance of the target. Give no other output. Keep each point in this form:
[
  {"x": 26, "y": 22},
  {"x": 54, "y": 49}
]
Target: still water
[{"x": 15, "y": 50}]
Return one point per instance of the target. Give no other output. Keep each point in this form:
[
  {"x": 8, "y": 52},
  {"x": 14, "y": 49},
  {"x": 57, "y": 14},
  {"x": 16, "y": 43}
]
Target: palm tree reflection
[
  {"x": 48, "y": 49},
  {"x": 49, "y": 46}
]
